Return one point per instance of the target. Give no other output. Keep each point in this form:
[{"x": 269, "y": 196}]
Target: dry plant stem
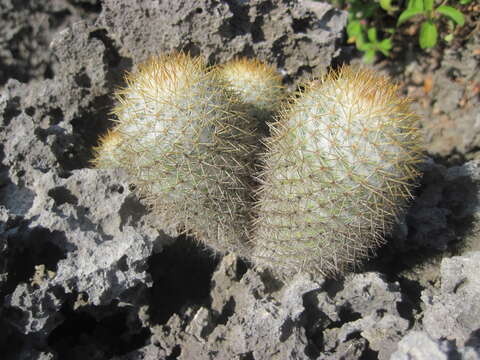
[{"x": 339, "y": 167}]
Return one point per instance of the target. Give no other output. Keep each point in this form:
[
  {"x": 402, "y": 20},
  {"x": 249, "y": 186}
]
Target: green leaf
[
  {"x": 448, "y": 38},
  {"x": 387, "y": 5},
  {"x": 372, "y": 35},
  {"x": 428, "y": 5},
  {"x": 408, "y": 14},
  {"x": 361, "y": 44},
  {"x": 354, "y": 28},
  {"x": 415, "y": 5},
  {"x": 369, "y": 56},
  {"x": 465, "y": 2},
  {"x": 385, "y": 46},
  {"x": 428, "y": 35},
  {"x": 452, "y": 13}
]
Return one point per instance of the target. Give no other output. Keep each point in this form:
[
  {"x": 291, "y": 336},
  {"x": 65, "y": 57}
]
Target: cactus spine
[
  {"x": 340, "y": 165},
  {"x": 257, "y": 85},
  {"x": 108, "y": 154},
  {"x": 187, "y": 147}
]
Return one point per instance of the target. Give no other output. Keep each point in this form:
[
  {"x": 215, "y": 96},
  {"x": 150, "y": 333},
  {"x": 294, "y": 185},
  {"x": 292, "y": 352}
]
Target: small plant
[
  {"x": 428, "y": 30},
  {"x": 368, "y": 44},
  {"x": 372, "y": 25}
]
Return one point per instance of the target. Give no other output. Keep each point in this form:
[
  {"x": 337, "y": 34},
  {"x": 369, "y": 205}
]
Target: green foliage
[
  {"x": 367, "y": 40},
  {"x": 372, "y": 24}
]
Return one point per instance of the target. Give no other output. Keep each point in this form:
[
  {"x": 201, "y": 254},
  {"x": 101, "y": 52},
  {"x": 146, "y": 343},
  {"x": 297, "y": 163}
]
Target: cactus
[
  {"x": 257, "y": 85},
  {"x": 108, "y": 154},
  {"x": 340, "y": 166},
  {"x": 187, "y": 145}
]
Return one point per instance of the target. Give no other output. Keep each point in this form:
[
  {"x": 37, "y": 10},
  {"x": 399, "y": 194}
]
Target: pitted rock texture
[
  {"x": 447, "y": 207},
  {"x": 251, "y": 316},
  {"x": 419, "y": 346},
  {"x": 453, "y": 311},
  {"x": 299, "y": 38},
  {"x": 85, "y": 235},
  {"x": 28, "y": 27},
  {"x": 452, "y": 123}
]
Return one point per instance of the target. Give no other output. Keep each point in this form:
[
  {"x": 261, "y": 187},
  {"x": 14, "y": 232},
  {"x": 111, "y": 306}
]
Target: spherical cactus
[
  {"x": 108, "y": 153},
  {"x": 257, "y": 85},
  {"x": 340, "y": 166},
  {"x": 188, "y": 147}
]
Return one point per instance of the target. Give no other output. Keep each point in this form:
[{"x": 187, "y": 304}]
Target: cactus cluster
[{"x": 336, "y": 170}]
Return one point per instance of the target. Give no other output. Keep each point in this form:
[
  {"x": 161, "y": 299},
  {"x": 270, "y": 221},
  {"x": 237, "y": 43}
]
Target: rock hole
[
  {"x": 315, "y": 321},
  {"x": 286, "y": 329},
  {"x": 246, "y": 356},
  {"x": 48, "y": 72},
  {"x": 131, "y": 211},
  {"x": 242, "y": 268},
  {"x": 411, "y": 305},
  {"x": 30, "y": 111},
  {"x": 28, "y": 248},
  {"x": 257, "y": 31},
  {"x": 347, "y": 315},
  {"x": 300, "y": 25},
  {"x": 89, "y": 7},
  {"x": 11, "y": 110},
  {"x": 117, "y": 188},
  {"x": 62, "y": 195},
  {"x": 239, "y": 23},
  {"x": 176, "y": 352},
  {"x": 64, "y": 174},
  {"x": 227, "y": 311},
  {"x": 82, "y": 335},
  {"x": 83, "y": 80},
  {"x": 369, "y": 354},
  {"x": 181, "y": 275}
]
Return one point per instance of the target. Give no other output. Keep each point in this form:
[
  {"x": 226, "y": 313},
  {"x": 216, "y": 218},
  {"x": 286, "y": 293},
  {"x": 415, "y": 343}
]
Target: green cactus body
[
  {"x": 257, "y": 85},
  {"x": 109, "y": 152},
  {"x": 187, "y": 147},
  {"x": 340, "y": 166}
]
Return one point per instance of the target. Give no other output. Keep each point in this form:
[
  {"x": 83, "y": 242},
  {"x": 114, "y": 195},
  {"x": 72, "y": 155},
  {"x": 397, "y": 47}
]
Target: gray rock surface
[
  {"x": 417, "y": 345},
  {"x": 446, "y": 209},
  {"x": 453, "y": 312},
  {"x": 99, "y": 241},
  {"x": 242, "y": 320},
  {"x": 452, "y": 123},
  {"x": 27, "y": 29},
  {"x": 376, "y": 301},
  {"x": 300, "y": 38}
]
